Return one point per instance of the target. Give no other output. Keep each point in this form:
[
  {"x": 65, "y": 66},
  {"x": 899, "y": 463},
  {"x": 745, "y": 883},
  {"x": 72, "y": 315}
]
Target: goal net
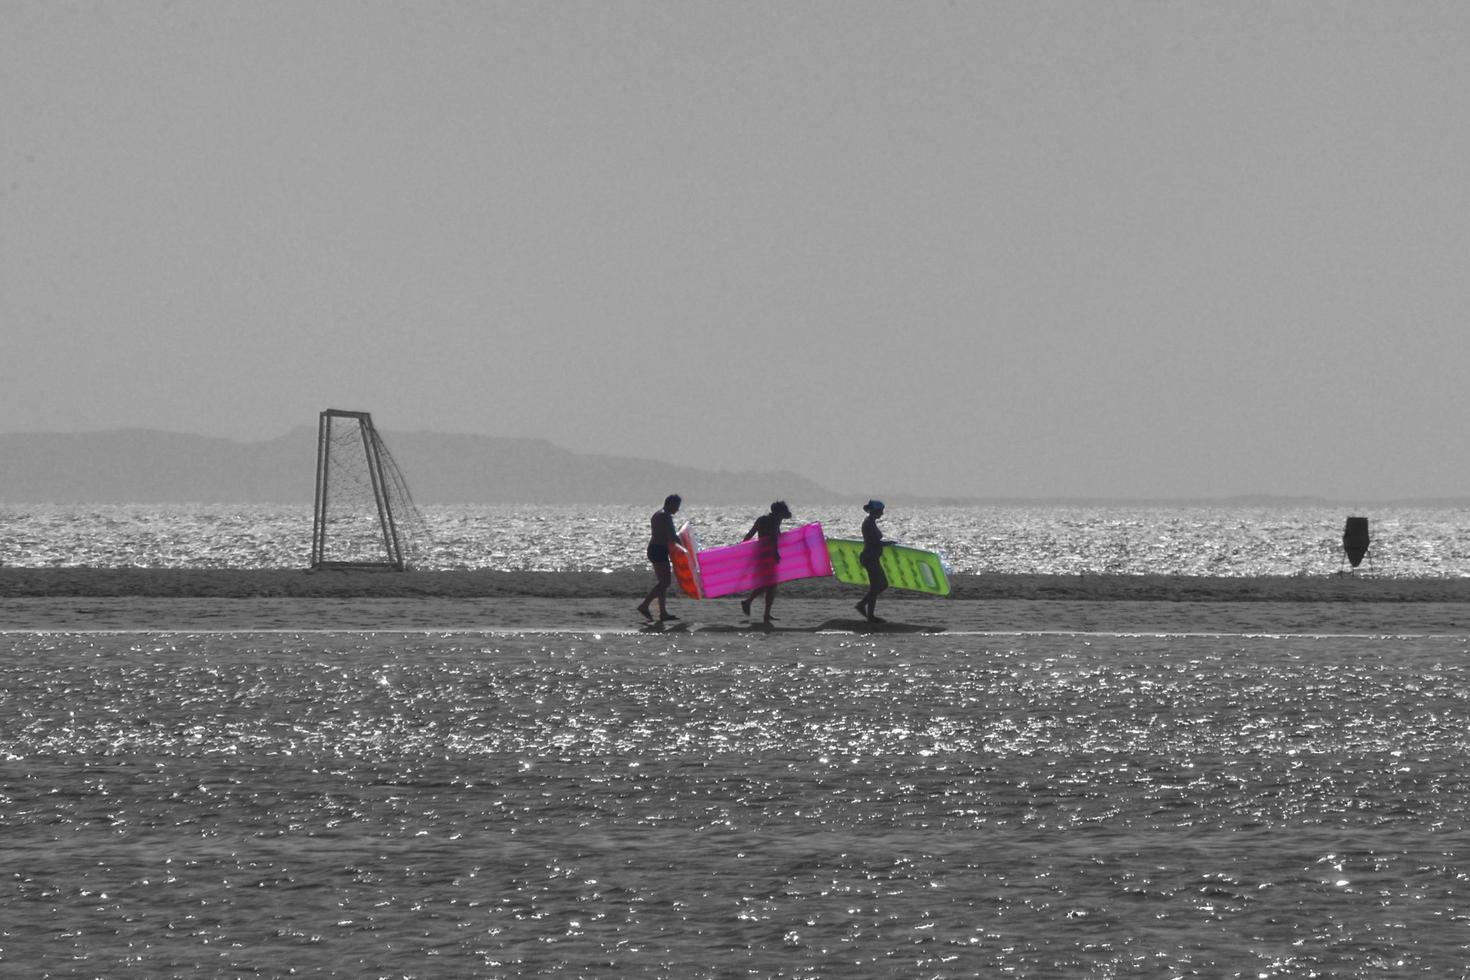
[{"x": 365, "y": 517}]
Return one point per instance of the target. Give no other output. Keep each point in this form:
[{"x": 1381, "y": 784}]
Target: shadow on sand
[{"x": 828, "y": 626}]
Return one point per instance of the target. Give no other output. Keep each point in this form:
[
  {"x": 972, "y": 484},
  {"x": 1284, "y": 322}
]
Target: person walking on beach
[
  {"x": 662, "y": 539},
  {"x": 870, "y": 559},
  {"x": 768, "y": 527}
]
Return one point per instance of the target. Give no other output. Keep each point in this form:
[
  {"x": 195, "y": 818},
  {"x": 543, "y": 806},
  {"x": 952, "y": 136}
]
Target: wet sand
[{"x": 297, "y": 599}]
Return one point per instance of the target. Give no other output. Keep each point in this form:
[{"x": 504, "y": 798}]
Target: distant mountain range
[{"x": 146, "y": 466}]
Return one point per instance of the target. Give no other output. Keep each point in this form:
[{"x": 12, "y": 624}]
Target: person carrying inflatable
[
  {"x": 871, "y": 560},
  {"x": 768, "y": 527},
  {"x": 663, "y": 537}
]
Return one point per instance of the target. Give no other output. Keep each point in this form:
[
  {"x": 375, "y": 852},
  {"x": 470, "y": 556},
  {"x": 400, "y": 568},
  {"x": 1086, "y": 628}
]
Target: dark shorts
[{"x": 658, "y": 554}]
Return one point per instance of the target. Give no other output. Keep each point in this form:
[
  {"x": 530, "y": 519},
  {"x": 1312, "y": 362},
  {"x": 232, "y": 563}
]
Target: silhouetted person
[
  {"x": 662, "y": 539},
  {"x": 768, "y": 527},
  {"x": 870, "y": 559}
]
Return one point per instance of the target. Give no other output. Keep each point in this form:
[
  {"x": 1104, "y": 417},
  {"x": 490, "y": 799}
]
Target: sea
[
  {"x": 618, "y": 804},
  {"x": 1136, "y": 539}
]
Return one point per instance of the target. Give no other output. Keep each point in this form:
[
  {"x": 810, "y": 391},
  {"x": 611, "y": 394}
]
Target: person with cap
[
  {"x": 768, "y": 528},
  {"x": 872, "y": 552}
]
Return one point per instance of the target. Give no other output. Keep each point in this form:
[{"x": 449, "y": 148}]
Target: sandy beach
[{"x": 298, "y": 599}]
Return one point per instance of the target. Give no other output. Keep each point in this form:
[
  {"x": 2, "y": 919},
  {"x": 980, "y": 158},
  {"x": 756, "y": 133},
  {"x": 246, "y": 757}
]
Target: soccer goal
[{"x": 365, "y": 517}]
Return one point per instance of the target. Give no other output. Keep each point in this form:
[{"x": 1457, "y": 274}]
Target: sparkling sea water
[
  {"x": 1407, "y": 542},
  {"x": 625, "y": 805},
  {"x": 390, "y": 804}
]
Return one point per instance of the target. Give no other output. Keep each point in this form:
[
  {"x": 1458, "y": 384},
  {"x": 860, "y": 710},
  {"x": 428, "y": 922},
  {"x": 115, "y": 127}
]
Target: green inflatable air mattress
[{"x": 907, "y": 568}]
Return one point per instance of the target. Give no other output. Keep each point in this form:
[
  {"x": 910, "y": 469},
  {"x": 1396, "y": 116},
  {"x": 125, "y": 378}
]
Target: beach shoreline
[
  {"x": 246, "y": 583},
  {"x": 287, "y": 599}
]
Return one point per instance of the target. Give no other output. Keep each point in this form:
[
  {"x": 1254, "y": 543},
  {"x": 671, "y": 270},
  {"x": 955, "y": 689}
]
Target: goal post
[{"x": 364, "y": 515}]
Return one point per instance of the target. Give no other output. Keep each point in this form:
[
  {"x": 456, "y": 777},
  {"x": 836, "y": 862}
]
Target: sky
[{"x": 1016, "y": 249}]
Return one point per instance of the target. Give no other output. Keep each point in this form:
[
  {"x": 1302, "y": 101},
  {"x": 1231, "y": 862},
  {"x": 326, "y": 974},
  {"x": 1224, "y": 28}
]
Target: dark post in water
[{"x": 1355, "y": 539}]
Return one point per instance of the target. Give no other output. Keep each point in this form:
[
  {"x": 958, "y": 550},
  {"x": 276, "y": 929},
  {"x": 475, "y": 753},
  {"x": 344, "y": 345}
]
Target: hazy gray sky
[{"x": 1146, "y": 249}]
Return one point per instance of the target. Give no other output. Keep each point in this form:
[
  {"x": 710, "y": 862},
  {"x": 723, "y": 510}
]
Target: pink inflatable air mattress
[{"x": 745, "y": 566}]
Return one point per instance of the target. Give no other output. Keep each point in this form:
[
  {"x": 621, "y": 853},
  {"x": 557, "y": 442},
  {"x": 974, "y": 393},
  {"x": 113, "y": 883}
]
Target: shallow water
[
  {"x": 1125, "y": 540},
  {"x": 348, "y": 804}
]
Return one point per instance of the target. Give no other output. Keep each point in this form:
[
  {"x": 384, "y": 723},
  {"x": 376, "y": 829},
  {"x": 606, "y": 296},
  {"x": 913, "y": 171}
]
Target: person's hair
[
  {"x": 873, "y": 505},
  {"x": 673, "y": 499},
  {"x": 779, "y": 507}
]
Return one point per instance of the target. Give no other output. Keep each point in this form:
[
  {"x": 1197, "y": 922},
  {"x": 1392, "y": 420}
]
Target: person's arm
[
  {"x": 752, "y": 532},
  {"x": 672, "y": 534}
]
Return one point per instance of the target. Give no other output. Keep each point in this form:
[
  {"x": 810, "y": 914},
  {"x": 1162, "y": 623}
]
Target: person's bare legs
[
  {"x": 877, "y": 584},
  {"x": 660, "y": 591},
  {"x": 769, "y": 591}
]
